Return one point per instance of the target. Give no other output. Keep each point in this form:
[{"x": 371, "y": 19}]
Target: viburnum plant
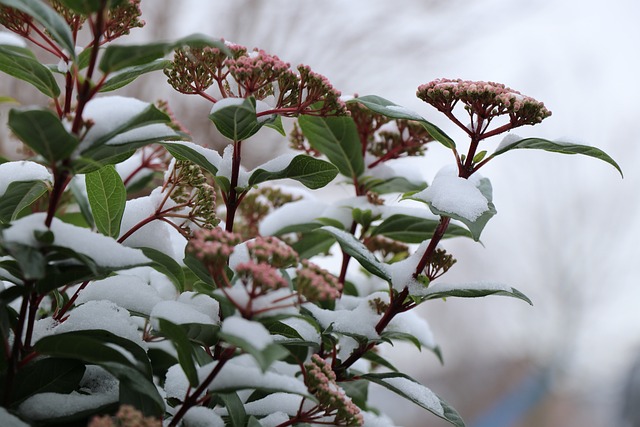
[{"x": 203, "y": 300}]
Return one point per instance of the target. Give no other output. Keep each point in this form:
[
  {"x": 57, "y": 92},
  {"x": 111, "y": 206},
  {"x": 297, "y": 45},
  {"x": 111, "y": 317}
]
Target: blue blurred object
[{"x": 515, "y": 405}]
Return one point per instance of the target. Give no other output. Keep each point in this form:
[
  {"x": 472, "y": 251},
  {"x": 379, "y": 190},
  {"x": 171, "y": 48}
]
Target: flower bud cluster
[
  {"x": 273, "y": 251},
  {"x": 15, "y": 20},
  {"x": 321, "y": 381},
  {"x": 213, "y": 246},
  {"x": 263, "y": 276},
  {"x": 256, "y": 205},
  {"x": 127, "y": 416},
  {"x": 190, "y": 189},
  {"x": 484, "y": 99},
  {"x": 440, "y": 263},
  {"x": 122, "y": 19},
  {"x": 254, "y": 73},
  {"x": 316, "y": 283}
]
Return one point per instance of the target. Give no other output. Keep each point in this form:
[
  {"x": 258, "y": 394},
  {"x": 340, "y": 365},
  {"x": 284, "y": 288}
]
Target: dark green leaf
[
  {"x": 235, "y": 407},
  {"x": 150, "y": 115},
  {"x": 411, "y": 229},
  {"x": 87, "y": 7},
  {"x": 32, "y": 263},
  {"x": 376, "y": 359},
  {"x": 167, "y": 266},
  {"x": 129, "y": 74},
  {"x": 394, "y": 111},
  {"x": 136, "y": 389},
  {"x": 195, "y": 154},
  {"x": 337, "y": 138},
  {"x": 253, "y": 422},
  {"x": 82, "y": 201},
  {"x": 313, "y": 243},
  {"x": 437, "y": 291},
  {"x": 358, "y": 391},
  {"x": 43, "y": 132},
  {"x": 18, "y": 196},
  {"x": 21, "y": 64},
  {"x": 311, "y": 172},
  {"x": 49, "y": 375},
  {"x": 559, "y": 147},
  {"x": 397, "y": 184},
  {"x": 107, "y": 197},
  {"x": 117, "y": 57},
  {"x": 359, "y": 252},
  {"x": 236, "y": 118},
  {"x": 45, "y": 15},
  {"x": 198, "y": 269},
  {"x": 183, "y": 347},
  {"x": 410, "y": 389}
]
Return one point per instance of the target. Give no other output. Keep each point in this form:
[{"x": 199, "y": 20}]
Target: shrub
[{"x": 201, "y": 301}]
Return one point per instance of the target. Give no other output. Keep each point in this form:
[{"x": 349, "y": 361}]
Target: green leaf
[
  {"x": 43, "y": 132},
  {"x": 82, "y": 201},
  {"x": 236, "y": 118},
  {"x": 235, "y": 407},
  {"x": 129, "y": 74},
  {"x": 107, "y": 197},
  {"x": 136, "y": 389},
  {"x": 411, "y": 229},
  {"x": 407, "y": 387},
  {"x": 32, "y": 263},
  {"x": 311, "y": 172},
  {"x": 198, "y": 269},
  {"x": 22, "y": 64},
  {"x": 183, "y": 347},
  {"x": 376, "y": 359},
  {"x": 359, "y": 252},
  {"x": 167, "y": 266},
  {"x": 559, "y": 147},
  {"x": 337, "y": 138},
  {"x": 49, "y": 375},
  {"x": 86, "y": 7},
  {"x": 440, "y": 290},
  {"x": 358, "y": 391},
  {"x": 313, "y": 243},
  {"x": 49, "y": 18},
  {"x": 150, "y": 115},
  {"x": 396, "y": 184},
  {"x": 18, "y": 196},
  {"x": 394, "y": 111},
  {"x": 117, "y": 57},
  {"x": 201, "y": 156}
]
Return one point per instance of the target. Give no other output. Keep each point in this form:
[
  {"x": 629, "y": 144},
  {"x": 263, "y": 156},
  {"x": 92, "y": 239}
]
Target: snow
[
  {"x": 299, "y": 212},
  {"x": 454, "y": 195},
  {"x": 239, "y": 373},
  {"x": 200, "y": 416},
  {"x": 98, "y": 389},
  {"x": 251, "y": 331},
  {"x": 212, "y": 156},
  {"x": 21, "y": 171},
  {"x": 411, "y": 323},
  {"x": 202, "y": 303},
  {"x": 306, "y": 331},
  {"x": 179, "y": 313},
  {"x": 226, "y": 102},
  {"x": 274, "y": 420},
  {"x": 143, "y": 133},
  {"x": 130, "y": 292},
  {"x": 285, "y": 403},
  {"x": 9, "y": 420},
  {"x": 417, "y": 392},
  {"x": 103, "y": 315},
  {"x": 276, "y": 165},
  {"x": 352, "y": 315},
  {"x": 103, "y": 250},
  {"x": 405, "y": 111},
  {"x": 225, "y": 167},
  {"x": 401, "y": 272},
  {"x": 109, "y": 113},
  {"x": 10, "y": 39},
  {"x": 156, "y": 234},
  {"x": 509, "y": 139}
]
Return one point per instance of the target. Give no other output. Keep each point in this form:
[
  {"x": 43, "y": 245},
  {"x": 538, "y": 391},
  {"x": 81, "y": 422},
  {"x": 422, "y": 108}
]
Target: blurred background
[{"x": 567, "y": 226}]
